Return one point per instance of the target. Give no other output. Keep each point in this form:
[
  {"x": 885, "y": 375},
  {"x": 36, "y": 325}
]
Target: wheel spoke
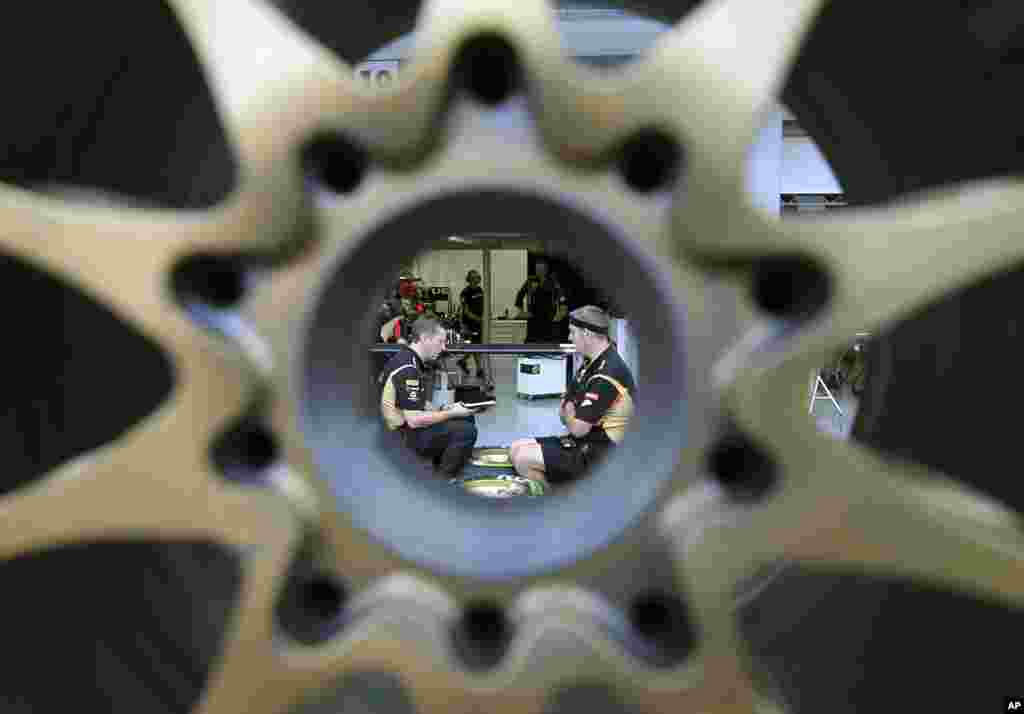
[
  {"x": 723, "y": 66},
  {"x": 716, "y": 552},
  {"x": 270, "y": 80},
  {"x": 890, "y": 262},
  {"x": 715, "y": 79},
  {"x": 120, "y": 258},
  {"x": 843, "y": 504},
  {"x": 250, "y": 652},
  {"x": 398, "y": 120},
  {"x": 149, "y": 485}
]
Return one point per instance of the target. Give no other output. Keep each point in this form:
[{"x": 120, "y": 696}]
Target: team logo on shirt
[
  {"x": 412, "y": 386},
  {"x": 586, "y": 403}
]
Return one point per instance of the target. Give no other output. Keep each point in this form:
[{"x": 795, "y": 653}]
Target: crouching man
[{"x": 445, "y": 436}]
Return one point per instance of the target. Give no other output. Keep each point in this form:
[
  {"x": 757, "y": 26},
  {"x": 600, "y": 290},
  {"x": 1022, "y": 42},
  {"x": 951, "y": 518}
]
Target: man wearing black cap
[{"x": 596, "y": 410}]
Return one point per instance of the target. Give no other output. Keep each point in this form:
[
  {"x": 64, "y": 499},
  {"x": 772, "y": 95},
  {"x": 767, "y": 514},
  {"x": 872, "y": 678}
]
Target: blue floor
[{"x": 514, "y": 418}]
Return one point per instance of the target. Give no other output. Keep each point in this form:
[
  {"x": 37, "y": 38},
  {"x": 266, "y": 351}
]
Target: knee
[
  {"x": 515, "y": 449},
  {"x": 519, "y": 455}
]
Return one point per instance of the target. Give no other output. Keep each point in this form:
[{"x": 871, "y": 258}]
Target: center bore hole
[
  {"x": 496, "y": 364},
  {"x": 549, "y": 398}
]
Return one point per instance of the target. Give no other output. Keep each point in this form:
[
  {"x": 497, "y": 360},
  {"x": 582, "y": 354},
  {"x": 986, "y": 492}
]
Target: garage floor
[{"x": 514, "y": 418}]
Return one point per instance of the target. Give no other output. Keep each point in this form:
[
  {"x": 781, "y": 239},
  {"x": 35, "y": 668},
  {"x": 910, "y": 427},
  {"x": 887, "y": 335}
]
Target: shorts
[{"x": 562, "y": 465}]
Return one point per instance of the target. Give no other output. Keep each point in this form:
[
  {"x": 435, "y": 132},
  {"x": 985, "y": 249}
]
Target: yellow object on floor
[{"x": 497, "y": 457}]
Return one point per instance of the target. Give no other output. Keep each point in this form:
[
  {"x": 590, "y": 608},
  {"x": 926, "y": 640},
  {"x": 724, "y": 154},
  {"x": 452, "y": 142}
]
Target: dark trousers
[{"x": 448, "y": 444}]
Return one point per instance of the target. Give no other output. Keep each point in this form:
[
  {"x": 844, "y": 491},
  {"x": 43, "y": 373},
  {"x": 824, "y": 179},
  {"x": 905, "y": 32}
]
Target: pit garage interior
[
  {"x": 788, "y": 177},
  {"x": 111, "y": 112}
]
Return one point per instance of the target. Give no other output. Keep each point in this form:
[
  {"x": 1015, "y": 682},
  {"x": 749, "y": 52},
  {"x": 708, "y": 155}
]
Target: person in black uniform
[
  {"x": 546, "y": 302},
  {"x": 596, "y": 410},
  {"x": 471, "y": 301},
  {"x": 445, "y": 436}
]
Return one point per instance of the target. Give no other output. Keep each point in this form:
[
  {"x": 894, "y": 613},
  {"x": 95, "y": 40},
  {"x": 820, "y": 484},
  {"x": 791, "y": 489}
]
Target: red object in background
[{"x": 420, "y": 307}]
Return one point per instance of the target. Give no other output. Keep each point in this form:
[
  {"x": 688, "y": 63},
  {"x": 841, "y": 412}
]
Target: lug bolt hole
[
  {"x": 487, "y": 67},
  {"x": 790, "y": 287},
  {"x": 664, "y": 621},
  {"x": 649, "y": 161},
  {"x": 745, "y": 471},
  {"x": 312, "y": 607},
  {"x": 245, "y": 452},
  {"x": 215, "y": 281},
  {"x": 482, "y": 635},
  {"x": 336, "y": 162}
]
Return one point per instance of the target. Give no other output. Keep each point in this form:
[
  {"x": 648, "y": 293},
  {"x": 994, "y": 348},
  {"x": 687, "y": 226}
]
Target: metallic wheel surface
[{"x": 357, "y": 586}]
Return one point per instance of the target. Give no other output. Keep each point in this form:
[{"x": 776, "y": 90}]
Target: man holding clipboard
[{"x": 445, "y": 436}]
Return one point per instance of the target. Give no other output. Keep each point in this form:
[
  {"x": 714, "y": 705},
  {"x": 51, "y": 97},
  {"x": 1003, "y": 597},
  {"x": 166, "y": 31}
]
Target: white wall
[
  {"x": 804, "y": 169},
  {"x": 508, "y": 272},
  {"x": 440, "y": 268},
  {"x": 763, "y": 168}
]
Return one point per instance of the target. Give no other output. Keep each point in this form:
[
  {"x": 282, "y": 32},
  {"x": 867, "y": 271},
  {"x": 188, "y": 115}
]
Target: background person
[
  {"x": 542, "y": 300},
  {"x": 445, "y": 436},
  {"x": 596, "y": 410},
  {"x": 471, "y": 302}
]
